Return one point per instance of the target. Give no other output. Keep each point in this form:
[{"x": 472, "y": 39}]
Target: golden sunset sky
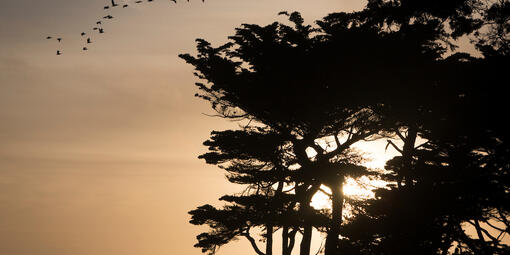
[{"x": 98, "y": 149}]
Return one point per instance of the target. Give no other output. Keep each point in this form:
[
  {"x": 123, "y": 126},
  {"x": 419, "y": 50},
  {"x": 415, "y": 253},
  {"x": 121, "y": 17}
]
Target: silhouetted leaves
[{"x": 378, "y": 73}]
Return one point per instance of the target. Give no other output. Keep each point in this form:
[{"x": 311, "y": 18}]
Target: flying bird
[
  {"x": 114, "y": 4},
  {"x": 283, "y": 13}
]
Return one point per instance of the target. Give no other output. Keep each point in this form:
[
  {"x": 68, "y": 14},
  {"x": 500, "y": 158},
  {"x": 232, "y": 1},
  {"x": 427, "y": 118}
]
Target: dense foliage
[{"x": 305, "y": 94}]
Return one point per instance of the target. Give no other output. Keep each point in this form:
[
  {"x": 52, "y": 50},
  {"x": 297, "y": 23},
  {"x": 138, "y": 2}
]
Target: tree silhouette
[
  {"x": 285, "y": 80},
  {"x": 445, "y": 182},
  {"x": 251, "y": 157},
  {"x": 457, "y": 178},
  {"x": 308, "y": 94}
]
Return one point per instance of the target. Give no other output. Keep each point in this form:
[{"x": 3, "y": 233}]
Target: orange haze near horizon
[{"x": 98, "y": 151}]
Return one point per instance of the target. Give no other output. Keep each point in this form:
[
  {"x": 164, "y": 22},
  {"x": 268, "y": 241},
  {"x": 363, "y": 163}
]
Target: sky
[{"x": 98, "y": 149}]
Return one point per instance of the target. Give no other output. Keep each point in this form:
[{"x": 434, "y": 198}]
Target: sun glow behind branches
[
  {"x": 359, "y": 189},
  {"x": 376, "y": 156}
]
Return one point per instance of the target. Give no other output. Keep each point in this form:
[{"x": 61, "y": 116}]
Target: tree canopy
[{"x": 306, "y": 94}]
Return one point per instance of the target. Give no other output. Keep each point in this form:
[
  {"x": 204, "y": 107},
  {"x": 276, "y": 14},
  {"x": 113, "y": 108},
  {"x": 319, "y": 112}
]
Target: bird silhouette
[{"x": 109, "y": 16}]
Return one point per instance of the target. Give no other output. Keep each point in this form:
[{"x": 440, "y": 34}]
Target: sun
[
  {"x": 321, "y": 200},
  {"x": 375, "y": 153},
  {"x": 359, "y": 189}
]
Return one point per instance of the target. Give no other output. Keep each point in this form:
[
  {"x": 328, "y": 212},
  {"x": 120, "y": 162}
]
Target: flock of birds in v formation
[{"x": 98, "y": 27}]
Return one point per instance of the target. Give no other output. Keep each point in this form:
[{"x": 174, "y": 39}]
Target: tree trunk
[
  {"x": 292, "y": 241},
  {"x": 306, "y": 211},
  {"x": 285, "y": 241},
  {"x": 336, "y": 221},
  {"x": 407, "y": 153},
  {"x": 269, "y": 239},
  {"x": 307, "y": 240}
]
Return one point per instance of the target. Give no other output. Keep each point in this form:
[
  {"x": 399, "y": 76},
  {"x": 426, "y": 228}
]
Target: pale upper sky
[{"x": 98, "y": 150}]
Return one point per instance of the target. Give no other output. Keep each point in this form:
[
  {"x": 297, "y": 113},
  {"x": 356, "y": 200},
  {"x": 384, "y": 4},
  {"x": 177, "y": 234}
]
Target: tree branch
[
  {"x": 494, "y": 227},
  {"x": 252, "y": 242},
  {"x": 400, "y": 135},
  {"x": 325, "y": 193},
  {"x": 478, "y": 229},
  {"x": 354, "y": 138},
  {"x": 394, "y": 146},
  {"x": 292, "y": 237},
  {"x": 317, "y": 148}
]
